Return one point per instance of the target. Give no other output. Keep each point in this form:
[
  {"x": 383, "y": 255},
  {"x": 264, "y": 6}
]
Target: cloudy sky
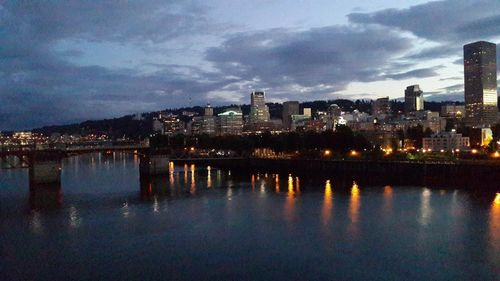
[{"x": 68, "y": 61}]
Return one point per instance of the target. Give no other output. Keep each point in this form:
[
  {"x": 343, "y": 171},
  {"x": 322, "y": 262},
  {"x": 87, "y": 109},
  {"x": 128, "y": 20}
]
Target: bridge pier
[
  {"x": 154, "y": 164},
  {"x": 45, "y": 168}
]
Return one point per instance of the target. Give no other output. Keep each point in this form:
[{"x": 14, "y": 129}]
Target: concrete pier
[
  {"x": 154, "y": 164},
  {"x": 45, "y": 168}
]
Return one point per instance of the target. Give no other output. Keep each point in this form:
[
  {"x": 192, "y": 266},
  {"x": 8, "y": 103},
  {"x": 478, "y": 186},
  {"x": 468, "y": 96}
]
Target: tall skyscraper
[
  {"x": 414, "y": 99},
  {"x": 480, "y": 79},
  {"x": 259, "y": 112},
  {"x": 289, "y": 108}
]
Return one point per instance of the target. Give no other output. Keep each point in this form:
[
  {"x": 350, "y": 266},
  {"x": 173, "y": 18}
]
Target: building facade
[
  {"x": 381, "y": 107},
  {"x": 414, "y": 99},
  {"x": 480, "y": 80},
  {"x": 452, "y": 111},
  {"x": 230, "y": 122},
  {"x": 446, "y": 141},
  {"x": 259, "y": 111},
  {"x": 289, "y": 108}
]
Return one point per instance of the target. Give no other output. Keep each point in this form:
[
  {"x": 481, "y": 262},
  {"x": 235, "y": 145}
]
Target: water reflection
[
  {"x": 354, "y": 203},
  {"x": 387, "y": 207},
  {"x": 326, "y": 212},
  {"x": 290, "y": 203},
  {"x": 36, "y": 222},
  {"x": 74, "y": 217},
  {"x": 45, "y": 196},
  {"x": 209, "y": 177},
  {"x": 125, "y": 210},
  {"x": 192, "y": 190},
  {"x": 425, "y": 207},
  {"x": 495, "y": 223},
  {"x": 277, "y": 186}
]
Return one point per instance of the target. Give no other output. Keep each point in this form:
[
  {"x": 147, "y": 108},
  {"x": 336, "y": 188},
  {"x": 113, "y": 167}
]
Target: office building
[
  {"x": 414, "y": 99},
  {"x": 259, "y": 112},
  {"x": 230, "y": 122},
  {"x": 381, "y": 107},
  {"x": 307, "y": 111},
  {"x": 289, "y": 108},
  {"x": 447, "y": 141},
  {"x": 209, "y": 110},
  {"x": 480, "y": 81}
]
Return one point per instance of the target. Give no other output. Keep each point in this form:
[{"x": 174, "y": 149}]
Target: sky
[{"x": 69, "y": 61}]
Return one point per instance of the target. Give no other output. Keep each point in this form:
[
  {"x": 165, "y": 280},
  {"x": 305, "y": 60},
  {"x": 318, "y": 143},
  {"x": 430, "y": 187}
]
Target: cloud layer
[{"x": 41, "y": 84}]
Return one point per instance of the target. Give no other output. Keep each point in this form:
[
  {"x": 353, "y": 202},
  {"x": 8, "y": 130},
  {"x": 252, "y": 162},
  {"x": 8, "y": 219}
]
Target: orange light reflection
[{"x": 326, "y": 212}]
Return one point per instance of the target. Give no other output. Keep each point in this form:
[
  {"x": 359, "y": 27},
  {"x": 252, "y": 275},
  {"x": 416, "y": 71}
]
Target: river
[{"x": 201, "y": 223}]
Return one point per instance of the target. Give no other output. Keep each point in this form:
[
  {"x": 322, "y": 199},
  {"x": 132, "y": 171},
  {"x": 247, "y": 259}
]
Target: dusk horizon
[{"x": 75, "y": 61}]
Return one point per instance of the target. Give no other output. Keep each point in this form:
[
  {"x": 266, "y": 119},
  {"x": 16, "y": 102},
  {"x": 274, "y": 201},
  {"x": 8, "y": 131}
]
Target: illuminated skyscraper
[
  {"x": 480, "y": 79},
  {"x": 259, "y": 112},
  {"x": 414, "y": 99}
]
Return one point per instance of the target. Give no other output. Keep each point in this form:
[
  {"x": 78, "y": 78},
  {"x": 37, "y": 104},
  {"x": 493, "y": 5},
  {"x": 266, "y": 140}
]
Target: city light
[
  {"x": 474, "y": 151},
  {"x": 496, "y": 154},
  {"x": 354, "y": 153},
  {"x": 327, "y": 153},
  {"x": 355, "y": 189},
  {"x": 497, "y": 199}
]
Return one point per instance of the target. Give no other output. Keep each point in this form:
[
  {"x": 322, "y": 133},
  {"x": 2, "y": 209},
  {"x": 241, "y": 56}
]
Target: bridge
[
  {"x": 26, "y": 153},
  {"x": 45, "y": 165}
]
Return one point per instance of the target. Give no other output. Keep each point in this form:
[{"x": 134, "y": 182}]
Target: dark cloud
[
  {"x": 450, "y": 23},
  {"x": 121, "y": 21},
  {"x": 331, "y": 56},
  {"x": 441, "y": 21},
  {"x": 442, "y": 51},
  {"x": 39, "y": 87},
  {"x": 416, "y": 73},
  {"x": 451, "y": 78},
  {"x": 454, "y": 88}
]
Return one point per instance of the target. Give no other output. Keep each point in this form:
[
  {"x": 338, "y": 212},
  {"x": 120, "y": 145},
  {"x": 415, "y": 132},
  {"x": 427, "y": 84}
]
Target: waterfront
[{"x": 199, "y": 223}]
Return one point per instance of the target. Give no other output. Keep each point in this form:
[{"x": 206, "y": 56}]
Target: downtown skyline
[{"x": 72, "y": 61}]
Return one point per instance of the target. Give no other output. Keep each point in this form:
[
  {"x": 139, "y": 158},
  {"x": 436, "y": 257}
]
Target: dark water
[{"x": 104, "y": 224}]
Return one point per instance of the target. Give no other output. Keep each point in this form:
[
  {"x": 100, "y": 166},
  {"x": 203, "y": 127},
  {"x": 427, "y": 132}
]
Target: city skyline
[{"x": 88, "y": 63}]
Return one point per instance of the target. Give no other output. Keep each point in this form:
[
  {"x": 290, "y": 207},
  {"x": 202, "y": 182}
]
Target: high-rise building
[
  {"x": 480, "y": 79},
  {"x": 289, "y": 108},
  {"x": 259, "y": 112},
  {"x": 381, "y": 106},
  {"x": 209, "y": 110},
  {"x": 414, "y": 99},
  {"x": 230, "y": 122}
]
